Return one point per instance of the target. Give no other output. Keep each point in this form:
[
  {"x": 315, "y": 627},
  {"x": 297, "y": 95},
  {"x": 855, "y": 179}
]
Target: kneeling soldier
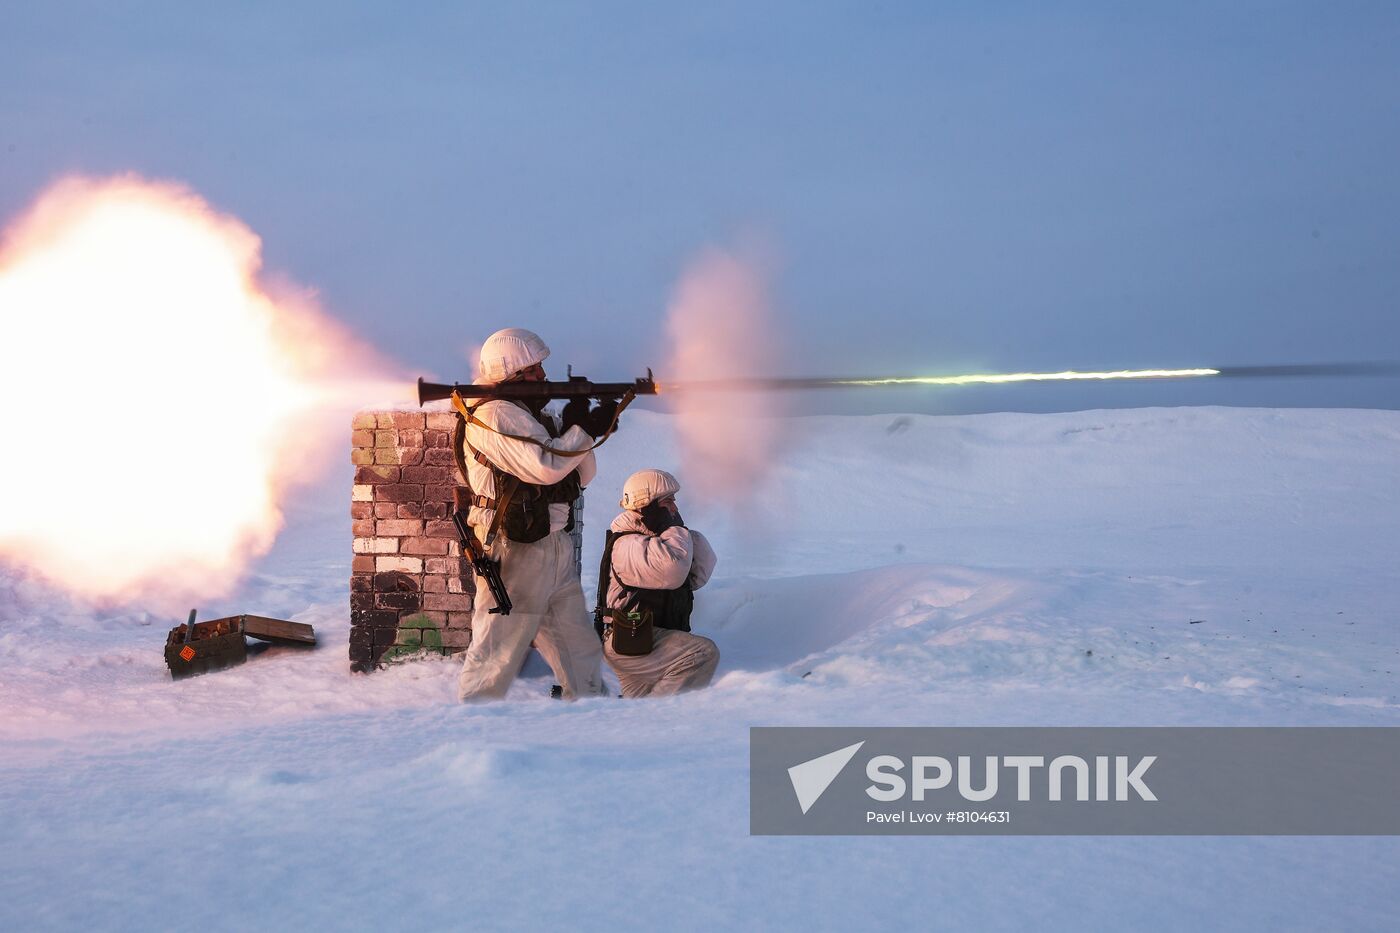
[{"x": 652, "y": 564}]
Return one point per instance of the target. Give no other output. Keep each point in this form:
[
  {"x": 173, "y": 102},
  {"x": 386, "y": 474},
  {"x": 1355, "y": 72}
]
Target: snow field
[{"x": 1149, "y": 567}]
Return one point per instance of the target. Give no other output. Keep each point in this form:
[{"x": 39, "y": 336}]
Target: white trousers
[
  {"x": 678, "y": 661},
  {"x": 548, "y": 609}
]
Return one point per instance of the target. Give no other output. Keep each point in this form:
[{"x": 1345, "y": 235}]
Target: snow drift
[{"x": 1151, "y": 567}]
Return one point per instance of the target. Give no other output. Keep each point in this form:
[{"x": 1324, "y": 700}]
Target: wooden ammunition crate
[{"x": 221, "y": 643}]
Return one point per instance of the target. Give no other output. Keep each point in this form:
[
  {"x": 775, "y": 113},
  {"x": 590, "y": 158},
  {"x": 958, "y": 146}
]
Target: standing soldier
[
  {"x": 652, "y": 564},
  {"x": 516, "y": 451}
]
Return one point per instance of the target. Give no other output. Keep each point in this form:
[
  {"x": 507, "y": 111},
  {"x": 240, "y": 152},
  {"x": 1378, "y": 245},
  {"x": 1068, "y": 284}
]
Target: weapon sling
[
  {"x": 469, "y": 416},
  {"x": 508, "y": 486}
]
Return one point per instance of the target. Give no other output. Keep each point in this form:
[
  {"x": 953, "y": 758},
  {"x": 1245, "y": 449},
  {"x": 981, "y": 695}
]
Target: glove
[
  {"x": 575, "y": 413},
  {"x": 657, "y": 518},
  {"x": 597, "y": 421}
]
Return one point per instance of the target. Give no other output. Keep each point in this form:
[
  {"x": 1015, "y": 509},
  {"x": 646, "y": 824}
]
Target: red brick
[
  {"x": 441, "y": 529},
  {"x": 361, "y": 583},
  {"x": 434, "y": 583},
  {"x": 410, "y": 510},
  {"x": 459, "y": 620},
  {"x": 408, "y": 419},
  {"x": 386, "y": 438},
  {"x": 438, "y": 618},
  {"x": 385, "y": 510},
  {"x": 362, "y": 563},
  {"x": 376, "y": 475},
  {"x": 375, "y": 618},
  {"x": 399, "y": 492},
  {"x": 427, "y": 475},
  {"x": 361, "y": 601},
  {"x": 361, "y": 438},
  {"x": 409, "y": 439},
  {"x": 437, "y": 439},
  {"x": 359, "y": 510},
  {"x": 456, "y": 638},
  {"x": 361, "y": 455},
  {"x": 447, "y": 565},
  {"x": 363, "y": 420},
  {"x": 439, "y": 456},
  {"x": 435, "y": 510},
  {"x": 435, "y": 547},
  {"x": 399, "y": 527},
  {"x": 442, "y": 420},
  {"x": 437, "y": 494},
  {"x": 407, "y": 455},
  {"x": 362, "y": 528},
  {"x": 394, "y": 600},
  {"x": 453, "y": 602}
]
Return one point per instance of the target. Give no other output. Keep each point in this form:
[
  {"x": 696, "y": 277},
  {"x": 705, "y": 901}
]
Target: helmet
[
  {"x": 507, "y": 352},
  {"x": 646, "y": 486}
]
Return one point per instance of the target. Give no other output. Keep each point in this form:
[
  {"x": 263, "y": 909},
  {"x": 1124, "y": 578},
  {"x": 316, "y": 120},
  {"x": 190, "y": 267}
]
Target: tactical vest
[
  {"x": 526, "y": 518},
  {"x": 662, "y": 608}
]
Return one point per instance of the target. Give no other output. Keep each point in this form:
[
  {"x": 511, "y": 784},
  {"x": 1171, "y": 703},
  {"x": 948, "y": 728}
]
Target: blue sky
[{"x": 945, "y": 186}]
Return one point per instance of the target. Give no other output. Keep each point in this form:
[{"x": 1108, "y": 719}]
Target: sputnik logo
[{"x": 811, "y": 778}]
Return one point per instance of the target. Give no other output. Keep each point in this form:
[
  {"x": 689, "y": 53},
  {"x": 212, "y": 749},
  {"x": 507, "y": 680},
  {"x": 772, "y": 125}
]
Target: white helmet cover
[
  {"x": 647, "y": 486},
  {"x": 508, "y": 351}
]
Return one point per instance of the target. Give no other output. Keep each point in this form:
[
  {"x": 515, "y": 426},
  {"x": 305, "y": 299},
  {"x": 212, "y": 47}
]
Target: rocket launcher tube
[{"x": 575, "y": 387}]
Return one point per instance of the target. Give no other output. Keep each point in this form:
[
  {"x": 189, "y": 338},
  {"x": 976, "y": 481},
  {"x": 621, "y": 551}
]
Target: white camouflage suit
[
  {"x": 678, "y": 660},
  {"x": 540, "y": 577}
]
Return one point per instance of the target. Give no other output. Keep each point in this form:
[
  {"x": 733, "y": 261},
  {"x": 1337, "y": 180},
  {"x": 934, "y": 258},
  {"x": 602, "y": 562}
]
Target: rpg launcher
[{"x": 575, "y": 387}]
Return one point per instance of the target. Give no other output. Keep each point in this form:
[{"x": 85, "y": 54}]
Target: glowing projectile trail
[
  {"x": 1283, "y": 371},
  {"x": 997, "y": 378}
]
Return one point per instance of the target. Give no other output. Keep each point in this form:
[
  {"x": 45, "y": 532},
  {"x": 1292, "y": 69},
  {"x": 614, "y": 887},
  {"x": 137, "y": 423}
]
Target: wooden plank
[{"x": 278, "y": 630}]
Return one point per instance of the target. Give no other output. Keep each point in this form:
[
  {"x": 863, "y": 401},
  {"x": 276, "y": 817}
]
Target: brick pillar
[{"x": 410, "y": 588}]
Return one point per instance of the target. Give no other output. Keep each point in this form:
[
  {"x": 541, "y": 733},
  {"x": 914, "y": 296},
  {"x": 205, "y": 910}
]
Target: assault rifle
[
  {"x": 486, "y": 567},
  {"x": 574, "y": 387}
]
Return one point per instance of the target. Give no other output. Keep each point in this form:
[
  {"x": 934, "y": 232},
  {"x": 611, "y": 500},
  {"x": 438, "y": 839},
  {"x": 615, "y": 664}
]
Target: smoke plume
[{"x": 721, "y": 327}]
